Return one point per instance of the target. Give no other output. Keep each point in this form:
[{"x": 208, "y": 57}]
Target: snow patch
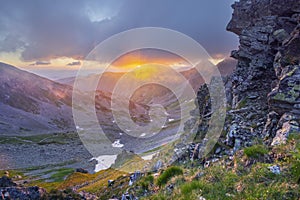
[
  {"x": 143, "y": 135},
  {"x": 104, "y": 162},
  {"x": 79, "y": 128},
  {"x": 148, "y": 157},
  {"x": 117, "y": 144}
]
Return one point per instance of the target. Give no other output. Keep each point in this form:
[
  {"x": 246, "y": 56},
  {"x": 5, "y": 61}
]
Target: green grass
[
  {"x": 146, "y": 182},
  {"x": 188, "y": 188},
  {"x": 220, "y": 183},
  {"x": 294, "y": 138},
  {"x": 168, "y": 174},
  {"x": 295, "y": 170},
  {"x": 57, "y": 194},
  {"x": 255, "y": 151},
  {"x": 247, "y": 177},
  {"x": 61, "y": 174},
  {"x": 12, "y": 173},
  {"x": 55, "y": 179}
]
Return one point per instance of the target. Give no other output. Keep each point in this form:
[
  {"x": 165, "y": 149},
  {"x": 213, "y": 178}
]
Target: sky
[{"x": 52, "y": 36}]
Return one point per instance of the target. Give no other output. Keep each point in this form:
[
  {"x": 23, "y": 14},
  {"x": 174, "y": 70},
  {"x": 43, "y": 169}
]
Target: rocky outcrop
[
  {"x": 30, "y": 193},
  {"x": 6, "y": 182},
  {"x": 263, "y": 92},
  {"x": 265, "y": 85},
  {"x": 10, "y": 190},
  {"x": 284, "y": 99}
]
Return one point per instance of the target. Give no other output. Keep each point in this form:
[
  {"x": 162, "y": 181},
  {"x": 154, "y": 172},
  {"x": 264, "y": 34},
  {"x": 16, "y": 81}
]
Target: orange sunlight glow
[
  {"x": 216, "y": 61},
  {"x": 137, "y": 58},
  {"x": 144, "y": 72}
]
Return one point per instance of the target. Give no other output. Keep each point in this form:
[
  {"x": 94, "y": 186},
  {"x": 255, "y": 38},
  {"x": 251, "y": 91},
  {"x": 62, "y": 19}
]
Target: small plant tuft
[
  {"x": 255, "y": 151},
  {"x": 168, "y": 174}
]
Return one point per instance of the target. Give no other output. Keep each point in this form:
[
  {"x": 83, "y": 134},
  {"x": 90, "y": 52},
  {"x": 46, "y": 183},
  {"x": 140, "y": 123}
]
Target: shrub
[{"x": 168, "y": 174}]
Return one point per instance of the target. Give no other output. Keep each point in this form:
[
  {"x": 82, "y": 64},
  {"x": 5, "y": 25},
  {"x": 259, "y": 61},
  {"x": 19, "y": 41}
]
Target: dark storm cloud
[
  {"x": 48, "y": 29},
  {"x": 203, "y": 20}
]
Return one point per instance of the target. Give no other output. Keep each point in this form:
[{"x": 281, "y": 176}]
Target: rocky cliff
[
  {"x": 263, "y": 92},
  {"x": 266, "y": 84},
  {"x": 263, "y": 103}
]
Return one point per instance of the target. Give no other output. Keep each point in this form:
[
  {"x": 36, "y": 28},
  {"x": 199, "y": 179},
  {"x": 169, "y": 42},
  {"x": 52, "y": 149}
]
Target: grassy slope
[{"x": 246, "y": 177}]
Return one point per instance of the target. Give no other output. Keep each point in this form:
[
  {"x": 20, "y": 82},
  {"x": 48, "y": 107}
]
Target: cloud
[
  {"x": 52, "y": 29},
  {"x": 205, "y": 20},
  {"x": 11, "y": 43},
  {"x": 75, "y": 63},
  {"x": 40, "y": 63}
]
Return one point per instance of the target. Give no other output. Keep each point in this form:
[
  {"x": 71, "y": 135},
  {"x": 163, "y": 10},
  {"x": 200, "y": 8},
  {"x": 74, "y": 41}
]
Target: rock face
[
  {"x": 263, "y": 92},
  {"x": 266, "y": 84}
]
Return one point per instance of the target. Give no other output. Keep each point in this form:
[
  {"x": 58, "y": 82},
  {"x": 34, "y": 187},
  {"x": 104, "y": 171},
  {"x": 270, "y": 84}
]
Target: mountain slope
[{"x": 30, "y": 103}]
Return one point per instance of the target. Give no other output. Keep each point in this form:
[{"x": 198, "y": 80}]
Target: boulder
[
  {"x": 6, "y": 182},
  {"x": 81, "y": 170}
]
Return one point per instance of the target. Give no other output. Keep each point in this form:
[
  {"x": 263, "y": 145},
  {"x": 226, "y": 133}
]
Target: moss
[
  {"x": 255, "y": 151},
  {"x": 294, "y": 95},
  {"x": 296, "y": 87},
  {"x": 279, "y": 96}
]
